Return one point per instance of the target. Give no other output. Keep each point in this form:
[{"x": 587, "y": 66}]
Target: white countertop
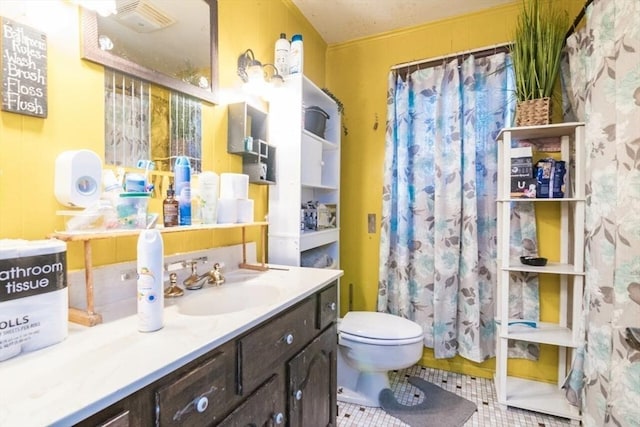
[{"x": 96, "y": 367}]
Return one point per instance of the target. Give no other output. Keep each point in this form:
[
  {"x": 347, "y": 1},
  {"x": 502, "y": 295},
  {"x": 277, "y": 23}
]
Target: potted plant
[{"x": 538, "y": 41}]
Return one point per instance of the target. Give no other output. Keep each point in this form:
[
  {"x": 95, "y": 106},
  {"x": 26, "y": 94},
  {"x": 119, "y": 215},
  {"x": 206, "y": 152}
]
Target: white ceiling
[{"x": 343, "y": 20}]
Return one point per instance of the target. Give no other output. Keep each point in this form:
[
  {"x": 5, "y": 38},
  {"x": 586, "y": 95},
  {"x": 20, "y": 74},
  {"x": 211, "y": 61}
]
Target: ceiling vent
[{"x": 142, "y": 16}]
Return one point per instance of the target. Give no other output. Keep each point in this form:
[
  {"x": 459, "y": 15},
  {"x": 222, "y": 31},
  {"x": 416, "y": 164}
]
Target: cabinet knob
[
  {"x": 332, "y": 306},
  {"x": 297, "y": 394},
  {"x": 278, "y": 418},
  {"x": 202, "y": 404},
  {"x": 289, "y": 339}
]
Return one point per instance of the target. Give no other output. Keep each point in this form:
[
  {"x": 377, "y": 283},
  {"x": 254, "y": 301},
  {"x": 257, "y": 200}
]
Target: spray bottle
[
  {"x": 182, "y": 183},
  {"x": 150, "y": 281}
]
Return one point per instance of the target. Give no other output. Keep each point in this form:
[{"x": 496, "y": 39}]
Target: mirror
[{"x": 170, "y": 43}]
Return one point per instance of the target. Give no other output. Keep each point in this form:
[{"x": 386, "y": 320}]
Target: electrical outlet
[{"x": 371, "y": 223}]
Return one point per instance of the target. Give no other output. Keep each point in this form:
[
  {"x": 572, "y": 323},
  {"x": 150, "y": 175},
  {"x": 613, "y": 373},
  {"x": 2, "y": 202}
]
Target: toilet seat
[
  {"x": 379, "y": 328},
  {"x": 379, "y": 341}
]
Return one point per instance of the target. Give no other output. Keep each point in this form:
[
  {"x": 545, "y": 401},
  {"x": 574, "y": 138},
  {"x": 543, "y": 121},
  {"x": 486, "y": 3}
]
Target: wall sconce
[{"x": 252, "y": 72}]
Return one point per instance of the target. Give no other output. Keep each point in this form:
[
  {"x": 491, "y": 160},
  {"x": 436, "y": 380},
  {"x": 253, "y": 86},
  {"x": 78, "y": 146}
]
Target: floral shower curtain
[
  {"x": 438, "y": 238},
  {"x": 602, "y": 81}
]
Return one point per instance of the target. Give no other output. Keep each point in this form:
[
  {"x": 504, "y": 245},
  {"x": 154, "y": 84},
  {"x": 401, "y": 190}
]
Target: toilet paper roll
[
  {"x": 234, "y": 186},
  {"x": 33, "y": 291},
  {"x": 245, "y": 210},
  {"x": 227, "y": 211}
]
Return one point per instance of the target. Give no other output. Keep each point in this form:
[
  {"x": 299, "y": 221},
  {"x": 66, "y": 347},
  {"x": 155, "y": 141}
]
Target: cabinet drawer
[
  {"x": 265, "y": 407},
  {"x": 327, "y": 306},
  {"x": 120, "y": 420},
  {"x": 199, "y": 396},
  {"x": 268, "y": 346}
]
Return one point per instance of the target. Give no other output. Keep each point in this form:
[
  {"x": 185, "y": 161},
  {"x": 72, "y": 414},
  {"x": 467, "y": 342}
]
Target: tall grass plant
[{"x": 539, "y": 38}]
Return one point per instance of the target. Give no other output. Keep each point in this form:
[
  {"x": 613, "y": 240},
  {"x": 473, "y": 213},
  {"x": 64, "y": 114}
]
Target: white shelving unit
[
  {"x": 308, "y": 170},
  {"x": 524, "y": 393}
]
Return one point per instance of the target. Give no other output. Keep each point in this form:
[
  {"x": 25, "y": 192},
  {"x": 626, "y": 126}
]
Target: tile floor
[{"x": 478, "y": 390}]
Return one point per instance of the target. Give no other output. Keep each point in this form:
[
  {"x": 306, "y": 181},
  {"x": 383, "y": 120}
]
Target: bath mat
[{"x": 439, "y": 408}]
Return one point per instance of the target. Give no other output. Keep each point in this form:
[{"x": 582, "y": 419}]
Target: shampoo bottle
[
  {"x": 296, "y": 55},
  {"x": 150, "y": 281},
  {"x": 281, "y": 56},
  {"x": 182, "y": 172}
]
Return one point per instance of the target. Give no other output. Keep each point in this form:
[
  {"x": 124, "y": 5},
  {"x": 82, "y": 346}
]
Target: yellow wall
[
  {"x": 357, "y": 73},
  {"x": 29, "y": 146}
]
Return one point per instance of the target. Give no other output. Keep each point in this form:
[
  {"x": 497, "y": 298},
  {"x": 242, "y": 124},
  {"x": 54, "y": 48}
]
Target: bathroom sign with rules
[{"x": 24, "y": 69}]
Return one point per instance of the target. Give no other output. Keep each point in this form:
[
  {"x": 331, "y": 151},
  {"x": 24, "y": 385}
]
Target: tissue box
[
  {"x": 33, "y": 295},
  {"x": 523, "y": 183}
]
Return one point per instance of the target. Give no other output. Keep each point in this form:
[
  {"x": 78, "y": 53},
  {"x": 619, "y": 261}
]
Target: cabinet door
[
  {"x": 312, "y": 383},
  {"x": 263, "y": 408},
  {"x": 269, "y": 346}
]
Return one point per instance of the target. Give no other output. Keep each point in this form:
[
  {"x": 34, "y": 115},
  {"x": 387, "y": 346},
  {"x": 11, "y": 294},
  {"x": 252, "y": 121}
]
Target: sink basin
[{"x": 228, "y": 298}]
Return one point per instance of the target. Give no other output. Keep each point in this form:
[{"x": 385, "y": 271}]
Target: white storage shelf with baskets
[
  {"x": 526, "y": 393},
  {"x": 309, "y": 155}
]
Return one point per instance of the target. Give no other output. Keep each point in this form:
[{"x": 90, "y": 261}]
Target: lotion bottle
[
  {"x": 281, "y": 56},
  {"x": 296, "y": 55},
  {"x": 209, "y": 183},
  {"x": 150, "y": 281}
]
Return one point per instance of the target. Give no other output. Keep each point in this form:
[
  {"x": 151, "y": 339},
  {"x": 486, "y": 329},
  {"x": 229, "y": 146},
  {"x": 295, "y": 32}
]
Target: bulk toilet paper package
[{"x": 33, "y": 295}]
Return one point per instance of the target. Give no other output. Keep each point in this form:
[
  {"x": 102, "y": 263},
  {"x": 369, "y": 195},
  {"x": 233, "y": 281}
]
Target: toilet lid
[{"x": 379, "y": 326}]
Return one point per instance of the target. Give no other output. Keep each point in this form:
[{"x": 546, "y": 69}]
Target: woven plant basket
[{"x": 533, "y": 112}]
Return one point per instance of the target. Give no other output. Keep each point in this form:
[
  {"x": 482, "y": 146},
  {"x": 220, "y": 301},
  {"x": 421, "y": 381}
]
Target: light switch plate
[{"x": 371, "y": 223}]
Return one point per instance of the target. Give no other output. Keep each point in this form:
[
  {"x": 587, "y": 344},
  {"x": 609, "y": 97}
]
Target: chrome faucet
[{"x": 195, "y": 281}]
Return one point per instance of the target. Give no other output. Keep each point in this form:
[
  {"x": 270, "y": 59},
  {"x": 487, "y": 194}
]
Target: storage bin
[
  {"x": 315, "y": 120},
  {"x": 132, "y": 210}
]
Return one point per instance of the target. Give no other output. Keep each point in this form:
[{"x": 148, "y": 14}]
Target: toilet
[{"x": 369, "y": 345}]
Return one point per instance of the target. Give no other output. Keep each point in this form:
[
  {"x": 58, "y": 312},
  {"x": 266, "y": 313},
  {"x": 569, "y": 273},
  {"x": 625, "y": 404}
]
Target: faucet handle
[{"x": 216, "y": 275}]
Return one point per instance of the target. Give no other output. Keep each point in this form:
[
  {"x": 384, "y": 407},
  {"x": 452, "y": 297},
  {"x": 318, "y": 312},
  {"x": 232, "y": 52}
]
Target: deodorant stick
[{"x": 150, "y": 286}]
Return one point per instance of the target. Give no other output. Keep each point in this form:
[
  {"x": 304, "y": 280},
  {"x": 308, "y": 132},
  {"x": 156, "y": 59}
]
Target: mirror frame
[{"x": 92, "y": 52}]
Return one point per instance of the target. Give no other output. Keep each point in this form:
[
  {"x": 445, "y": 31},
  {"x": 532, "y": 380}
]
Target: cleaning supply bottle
[
  {"x": 170, "y": 209},
  {"x": 281, "y": 56},
  {"x": 182, "y": 181},
  {"x": 296, "y": 55},
  {"x": 150, "y": 281}
]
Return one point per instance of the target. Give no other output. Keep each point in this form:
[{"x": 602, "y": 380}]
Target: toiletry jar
[
  {"x": 33, "y": 295},
  {"x": 132, "y": 210}
]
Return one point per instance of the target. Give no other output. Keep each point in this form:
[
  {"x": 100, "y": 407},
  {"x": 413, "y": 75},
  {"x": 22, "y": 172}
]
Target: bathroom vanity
[{"x": 268, "y": 364}]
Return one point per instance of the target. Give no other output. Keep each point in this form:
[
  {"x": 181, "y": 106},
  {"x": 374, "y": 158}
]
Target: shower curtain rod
[
  {"x": 577, "y": 20},
  {"x": 478, "y": 53}
]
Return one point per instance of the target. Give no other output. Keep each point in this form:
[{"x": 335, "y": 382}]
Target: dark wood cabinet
[
  {"x": 312, "y": 378},
  {"x": 281, "y": 372},
  {"x": 200, "y": 396},
  {"x": 265, "y": 407}
]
